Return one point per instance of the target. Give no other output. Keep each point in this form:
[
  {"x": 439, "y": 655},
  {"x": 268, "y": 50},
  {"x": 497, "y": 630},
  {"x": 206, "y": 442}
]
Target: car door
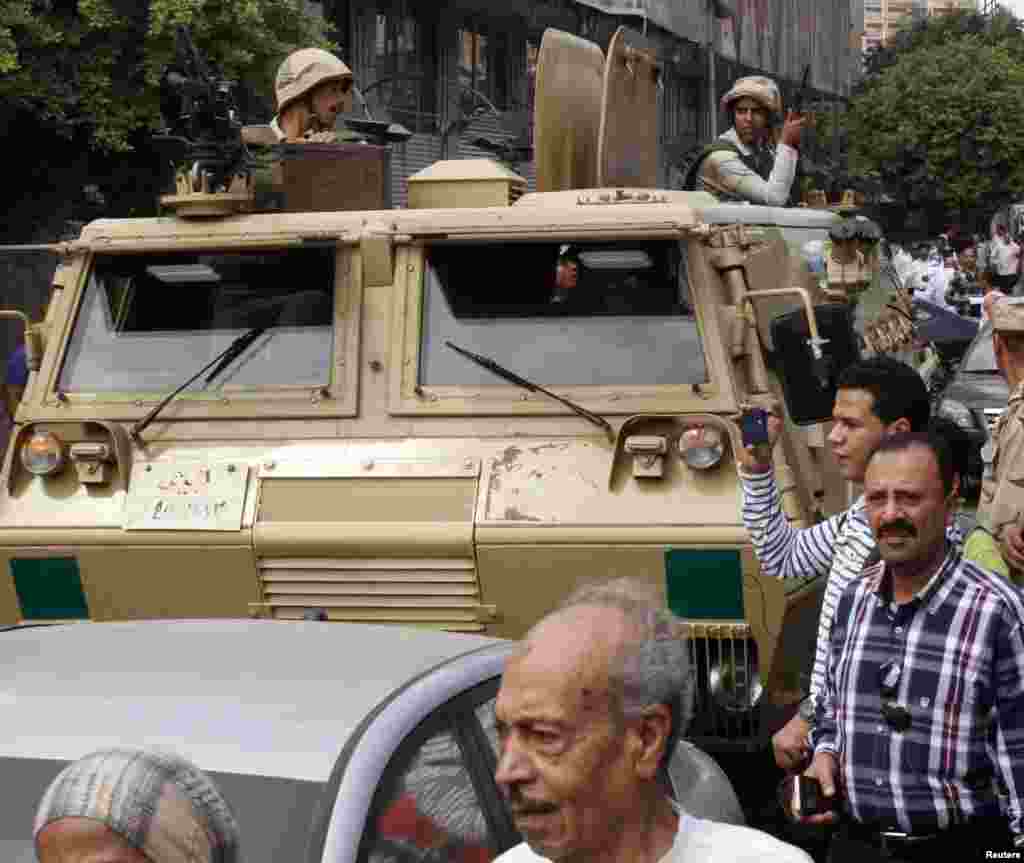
[{"x": 436, "y": 799}]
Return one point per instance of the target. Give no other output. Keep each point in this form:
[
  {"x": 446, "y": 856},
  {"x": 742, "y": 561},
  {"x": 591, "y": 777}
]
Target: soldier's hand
[
  {"x": 793, "y": 129},
  {"x": 1012, "y": 544},
  {"x": 758, "y": 458},
  {"x": 790, "y": 745},
  {"x": 824, "y": 769}
]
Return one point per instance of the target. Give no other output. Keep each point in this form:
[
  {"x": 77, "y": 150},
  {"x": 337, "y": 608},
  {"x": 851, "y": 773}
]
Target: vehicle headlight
[
  {"x": 42, "y": 454},
  {"x": 956, "y": 412},
  {"x": 702, "y": 447}
]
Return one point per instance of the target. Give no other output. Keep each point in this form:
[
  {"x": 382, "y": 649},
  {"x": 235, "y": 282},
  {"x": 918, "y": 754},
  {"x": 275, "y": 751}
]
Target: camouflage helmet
[
  {"x": 762, "y": 90},
  {"x": 304, "y": 70}
]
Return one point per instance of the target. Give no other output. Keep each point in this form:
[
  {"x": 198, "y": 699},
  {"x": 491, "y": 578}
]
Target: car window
[
  {"x": 981, "y": 357},
  {"x": 485, "y": 716},
  {"x": 427, "y": 807}
]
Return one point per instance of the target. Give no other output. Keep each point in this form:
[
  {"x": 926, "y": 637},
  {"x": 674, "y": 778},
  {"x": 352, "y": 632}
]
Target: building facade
[
  {"x": 460, "y": 74},
  {"x": 882, "y": 18}
]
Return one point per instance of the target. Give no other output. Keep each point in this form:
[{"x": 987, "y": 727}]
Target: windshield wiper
[
  {"x": 512, "y": 377},
  {"x": 218, "y": 364}
]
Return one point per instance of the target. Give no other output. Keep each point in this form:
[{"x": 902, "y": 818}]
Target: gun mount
[{"x": 213, "y": 171}]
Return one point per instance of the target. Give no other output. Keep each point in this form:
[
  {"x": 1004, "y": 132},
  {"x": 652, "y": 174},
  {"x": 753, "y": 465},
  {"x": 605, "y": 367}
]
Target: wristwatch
[{"x": 806, "y": 710}]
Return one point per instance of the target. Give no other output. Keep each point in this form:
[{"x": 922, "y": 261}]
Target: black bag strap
[{"x": 691, "y": 171}]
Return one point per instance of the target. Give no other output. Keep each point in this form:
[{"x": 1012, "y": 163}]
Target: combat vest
[{"x": 760, "y": 162}]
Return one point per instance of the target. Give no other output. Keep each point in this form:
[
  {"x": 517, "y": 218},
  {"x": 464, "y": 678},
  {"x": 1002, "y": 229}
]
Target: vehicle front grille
[
  {"x": 723, "y": 657},
  {"x": 436, "y": 593}
]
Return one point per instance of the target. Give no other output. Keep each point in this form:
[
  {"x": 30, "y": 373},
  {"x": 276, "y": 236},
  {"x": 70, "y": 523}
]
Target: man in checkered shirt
[
  {"x": 876, "y": 397},
  {"x": 919, "y": 739}
]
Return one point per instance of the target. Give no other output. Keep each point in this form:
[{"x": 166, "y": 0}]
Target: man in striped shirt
[
  {"x": 922, "y": 723},
  {"x": 876, "y": 397}
]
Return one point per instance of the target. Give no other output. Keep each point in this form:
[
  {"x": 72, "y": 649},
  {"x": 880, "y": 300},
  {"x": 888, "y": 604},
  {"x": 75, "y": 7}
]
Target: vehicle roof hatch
[{"x": 595, "y": 116}]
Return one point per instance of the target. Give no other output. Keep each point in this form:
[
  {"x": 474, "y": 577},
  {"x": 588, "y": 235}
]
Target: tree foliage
[
  {"x": 1001, "y": 28},
  {"x": 939, "y": 121},
  {"x": 92, "y": 67}
]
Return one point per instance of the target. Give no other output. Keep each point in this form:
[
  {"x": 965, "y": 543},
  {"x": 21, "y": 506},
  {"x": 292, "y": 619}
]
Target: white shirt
[
  {"x": 701, "y": 841},
  {"x": 1004, "y": 257},
  {"x": 933, "y": 289}
]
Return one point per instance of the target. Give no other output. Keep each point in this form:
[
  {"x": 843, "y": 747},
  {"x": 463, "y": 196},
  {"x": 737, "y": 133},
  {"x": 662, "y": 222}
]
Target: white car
[{"x": 332, "y": 742}]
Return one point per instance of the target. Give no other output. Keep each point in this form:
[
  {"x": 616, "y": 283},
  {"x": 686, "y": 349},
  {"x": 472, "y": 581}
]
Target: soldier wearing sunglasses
[{"x": 919, "y": 740}]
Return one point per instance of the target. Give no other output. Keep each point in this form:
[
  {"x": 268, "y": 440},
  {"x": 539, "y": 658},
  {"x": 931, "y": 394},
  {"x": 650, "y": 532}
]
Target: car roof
[{"x": 269, "y": 698}]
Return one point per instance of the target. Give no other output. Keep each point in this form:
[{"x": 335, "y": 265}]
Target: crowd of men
[{"x": 948, "y": 270}]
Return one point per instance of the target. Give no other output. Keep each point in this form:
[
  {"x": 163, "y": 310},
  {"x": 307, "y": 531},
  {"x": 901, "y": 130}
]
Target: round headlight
[
  {"x": 702, "y": 447},
  {"x": 42, "y": 454}
]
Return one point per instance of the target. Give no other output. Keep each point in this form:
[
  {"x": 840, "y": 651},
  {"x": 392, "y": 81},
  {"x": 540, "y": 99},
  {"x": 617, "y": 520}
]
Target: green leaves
[
  {"x": 96, "y": 64},
  {"x": 939, "y": 120}
]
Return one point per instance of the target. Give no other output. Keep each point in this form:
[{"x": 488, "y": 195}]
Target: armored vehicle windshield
[
  {"x": 148, "y": 320},
  {"x": 622, "y": 314}
]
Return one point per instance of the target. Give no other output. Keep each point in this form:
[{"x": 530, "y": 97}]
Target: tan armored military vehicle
[{"x": 340, "y": 441}]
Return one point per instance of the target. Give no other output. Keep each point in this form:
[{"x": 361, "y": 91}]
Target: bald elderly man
[{"x": 588, "y": 715}]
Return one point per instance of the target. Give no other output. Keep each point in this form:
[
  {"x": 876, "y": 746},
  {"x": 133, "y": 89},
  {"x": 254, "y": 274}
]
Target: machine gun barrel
[{"x": 801, "y": 96}]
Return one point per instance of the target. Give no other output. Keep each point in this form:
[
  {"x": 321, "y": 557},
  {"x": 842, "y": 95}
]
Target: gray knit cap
[{"x": 158, "y": 802}]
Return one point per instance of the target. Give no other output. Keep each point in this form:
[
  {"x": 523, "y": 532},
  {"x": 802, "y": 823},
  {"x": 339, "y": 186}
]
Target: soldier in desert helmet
[
  {"x": 312, "y": 87},
  {"x": 1001, "y": 505},
  {"x": 745, "y": 164}
]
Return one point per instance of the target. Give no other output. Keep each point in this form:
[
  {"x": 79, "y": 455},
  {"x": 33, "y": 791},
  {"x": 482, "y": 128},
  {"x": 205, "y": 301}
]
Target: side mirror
[{"x": 809, "y": 383}]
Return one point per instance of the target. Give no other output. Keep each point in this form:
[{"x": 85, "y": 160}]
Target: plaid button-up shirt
[{"x": 960, "y": 646}]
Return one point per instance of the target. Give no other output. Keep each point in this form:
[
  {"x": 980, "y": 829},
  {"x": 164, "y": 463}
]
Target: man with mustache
[
  {"x": 588, "y": 714},
  {"x": 876, "y": 397},
  {"x": 922, "y": 723}
]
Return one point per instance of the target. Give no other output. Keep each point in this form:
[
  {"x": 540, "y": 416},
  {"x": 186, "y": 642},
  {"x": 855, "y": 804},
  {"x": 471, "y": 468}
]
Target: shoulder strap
[{"x": 691, "y": 171}]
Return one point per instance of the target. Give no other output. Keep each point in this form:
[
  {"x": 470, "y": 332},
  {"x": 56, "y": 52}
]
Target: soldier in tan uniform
[
  {"x": 1002, "y": 495},
  {"x": 746, "y": 164},
  {"x": 312, "y": 87}
]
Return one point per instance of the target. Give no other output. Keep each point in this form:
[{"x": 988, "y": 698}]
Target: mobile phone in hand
[
  {"x": 754, "y": 426},
  {"x": 808, "y": 798}
]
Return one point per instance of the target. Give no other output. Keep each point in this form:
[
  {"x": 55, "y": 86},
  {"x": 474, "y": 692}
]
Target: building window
[
  {"x": 472, "y": 61},
  {"x": 398, "y": 46}
]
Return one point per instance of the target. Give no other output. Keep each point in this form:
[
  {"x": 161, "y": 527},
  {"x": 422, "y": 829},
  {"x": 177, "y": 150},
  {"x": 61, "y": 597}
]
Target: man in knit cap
[{"x": 134, "y": 806}]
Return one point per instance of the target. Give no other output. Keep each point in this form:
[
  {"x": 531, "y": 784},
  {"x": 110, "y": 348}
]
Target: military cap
[
  {"x": 568, "y": 252},
  {"x": 1008, "y": 315}
]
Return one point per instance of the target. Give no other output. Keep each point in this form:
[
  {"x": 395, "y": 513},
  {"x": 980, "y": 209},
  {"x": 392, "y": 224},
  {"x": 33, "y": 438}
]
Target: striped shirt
[
  {"x": 959, "y": 645},
  {"x": 838, "y": 546}
]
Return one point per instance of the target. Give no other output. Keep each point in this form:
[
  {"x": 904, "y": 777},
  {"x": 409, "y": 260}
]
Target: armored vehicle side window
[
  {"x": 620, "y": 315},
  {"x": 148, "y": 319}
]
